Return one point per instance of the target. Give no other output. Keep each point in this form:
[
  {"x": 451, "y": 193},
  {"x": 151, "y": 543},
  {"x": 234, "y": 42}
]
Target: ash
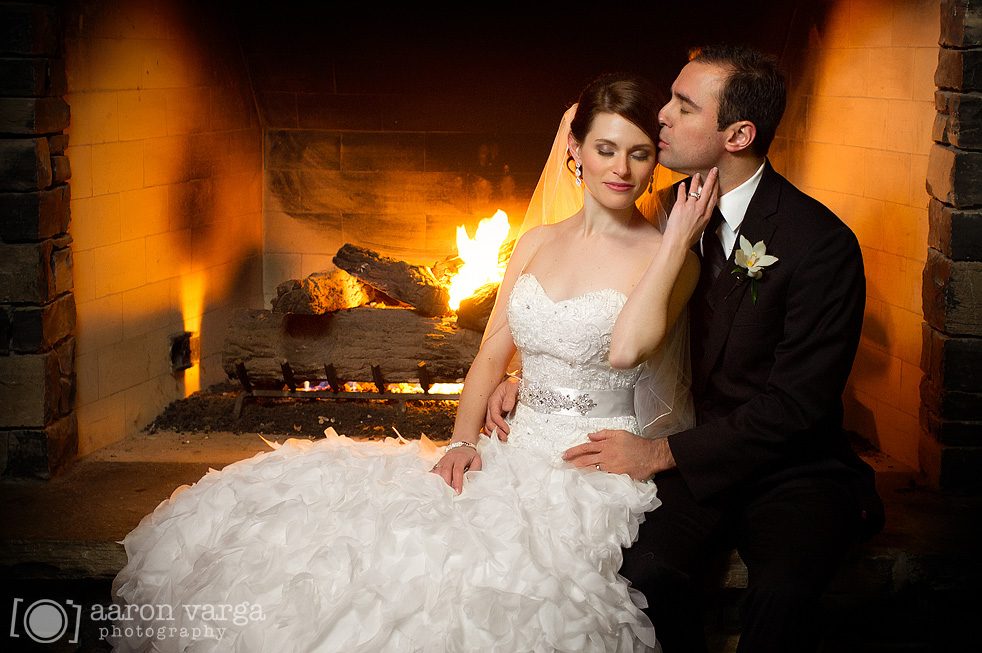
[{"x": 211, "y": 410}]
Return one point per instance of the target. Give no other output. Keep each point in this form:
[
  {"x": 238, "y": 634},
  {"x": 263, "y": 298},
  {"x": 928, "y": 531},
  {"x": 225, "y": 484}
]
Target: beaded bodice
[{"x": 565, "y": 344}]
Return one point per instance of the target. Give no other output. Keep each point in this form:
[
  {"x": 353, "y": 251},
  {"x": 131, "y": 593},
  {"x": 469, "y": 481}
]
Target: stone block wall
[
  {"x": 166, "y": 201},
  {"x": 951, "y": 391},
  {"x": 857, "y": 136},
  {"x": 38, "y": 427}
]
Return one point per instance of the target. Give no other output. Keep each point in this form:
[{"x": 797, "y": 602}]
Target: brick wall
[
  {"x": 951, "y": 393},
  {"x": 856, "y": 135},
  {"x": 166, "y": 154},
  {"x": 38, "y": 428}
]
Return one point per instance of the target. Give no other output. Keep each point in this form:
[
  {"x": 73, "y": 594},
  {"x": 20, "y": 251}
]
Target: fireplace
[{"x": 213, "y": 153}]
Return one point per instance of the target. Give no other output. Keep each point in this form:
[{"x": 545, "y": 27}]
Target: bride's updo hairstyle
[{"x": 630, "y": 96}]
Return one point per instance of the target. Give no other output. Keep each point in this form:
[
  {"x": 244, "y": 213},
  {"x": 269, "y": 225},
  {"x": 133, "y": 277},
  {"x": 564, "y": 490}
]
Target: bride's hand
[
  {"x": 693, "y": 208},
  {"x": 452, "y": 466}
]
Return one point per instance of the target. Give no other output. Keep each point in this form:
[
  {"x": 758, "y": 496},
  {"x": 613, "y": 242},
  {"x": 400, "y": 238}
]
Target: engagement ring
[
  {"x": 597, "y": 465},
  {"x": 695, "y": 195}
]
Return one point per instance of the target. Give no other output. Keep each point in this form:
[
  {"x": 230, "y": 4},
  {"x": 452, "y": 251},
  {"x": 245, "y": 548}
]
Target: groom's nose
[{"x": 663, "y": 114}]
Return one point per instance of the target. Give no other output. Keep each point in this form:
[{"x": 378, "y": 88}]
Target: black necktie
[{"x": 713, "y": 256}]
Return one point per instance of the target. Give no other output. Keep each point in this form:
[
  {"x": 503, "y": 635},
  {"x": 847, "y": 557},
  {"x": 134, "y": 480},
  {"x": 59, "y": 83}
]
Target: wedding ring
[
  {"x": 695, "y": 195},
  {"x": 597, "y": 465}
]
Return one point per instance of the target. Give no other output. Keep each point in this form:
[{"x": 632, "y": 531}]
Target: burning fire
[
  {"x": 480, "y": 257},
  {"x": 395, "y": 388}
]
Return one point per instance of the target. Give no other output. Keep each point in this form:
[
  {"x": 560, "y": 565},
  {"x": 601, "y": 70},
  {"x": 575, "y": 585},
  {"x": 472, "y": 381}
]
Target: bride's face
[{"x": 618, "y": 160}]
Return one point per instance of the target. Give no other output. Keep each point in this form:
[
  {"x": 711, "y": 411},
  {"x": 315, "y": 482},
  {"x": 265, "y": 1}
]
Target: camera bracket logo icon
[{"x": 46, "y": 621}]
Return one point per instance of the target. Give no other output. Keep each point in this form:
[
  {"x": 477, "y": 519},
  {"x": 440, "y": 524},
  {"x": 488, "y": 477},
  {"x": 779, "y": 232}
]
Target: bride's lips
[{"x": 620, "y": 188}]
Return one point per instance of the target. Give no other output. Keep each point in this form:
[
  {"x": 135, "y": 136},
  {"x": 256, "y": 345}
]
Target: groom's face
[{"x": 690, "y": 140}]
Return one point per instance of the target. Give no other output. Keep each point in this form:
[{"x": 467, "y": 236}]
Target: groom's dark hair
[{"x": 754, "y": 90}]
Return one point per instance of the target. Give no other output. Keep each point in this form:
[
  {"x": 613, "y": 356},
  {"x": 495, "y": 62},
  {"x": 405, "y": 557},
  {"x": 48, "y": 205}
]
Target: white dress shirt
[{"x": 733, "y": 205}]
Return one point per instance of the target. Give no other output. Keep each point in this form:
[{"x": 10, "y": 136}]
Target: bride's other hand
[
  {"x": 452, "y": 466},
  {"x": 623, "y": 452},
  {"x": 693, "y": 207},
  {"x": 500, "y": 403}
]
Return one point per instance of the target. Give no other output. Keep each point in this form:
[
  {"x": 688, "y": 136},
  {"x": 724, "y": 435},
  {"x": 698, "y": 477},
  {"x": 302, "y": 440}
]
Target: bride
[{"x": 486, "y": 545}]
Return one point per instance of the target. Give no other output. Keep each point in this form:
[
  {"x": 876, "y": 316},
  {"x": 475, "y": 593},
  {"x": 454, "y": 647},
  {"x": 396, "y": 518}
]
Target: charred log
[
  {"x": 412, "y": 284},
  {"x": 291, "y": 298},
  {"x": 351, "y": 341},
  {"x": 474, "y": 311},
  {"x": 445, "y": 269},
  {"x": 321, "y": 292}
]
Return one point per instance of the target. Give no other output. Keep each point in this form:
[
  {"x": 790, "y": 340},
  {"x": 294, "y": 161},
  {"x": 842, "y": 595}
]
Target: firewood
[
  {"x": 445, "y": 269},
  {"x": 335, "y": 291},
  {"x": 321, "y": 292},
  {"x": 413, "y": 284},
  {"x": 351, "y": 340},
  {"x": 474, "y": 311}
]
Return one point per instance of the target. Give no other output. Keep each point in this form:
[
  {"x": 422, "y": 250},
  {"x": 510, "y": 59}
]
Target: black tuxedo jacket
[{"x": 768, "y": 377}]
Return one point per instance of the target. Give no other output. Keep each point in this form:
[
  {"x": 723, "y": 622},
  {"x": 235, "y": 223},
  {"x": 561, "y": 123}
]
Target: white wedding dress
[{"x": 342, "y": 546}]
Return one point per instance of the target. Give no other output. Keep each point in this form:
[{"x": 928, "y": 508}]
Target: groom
[{"x": 767, "y": 469}]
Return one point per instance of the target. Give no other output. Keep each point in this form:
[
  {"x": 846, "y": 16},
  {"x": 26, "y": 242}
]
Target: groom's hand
[{"x": 622, "y": 452}]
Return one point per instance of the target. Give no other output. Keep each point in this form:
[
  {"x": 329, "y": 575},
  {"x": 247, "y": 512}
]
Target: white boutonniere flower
[{"x": 752, "y": 260}]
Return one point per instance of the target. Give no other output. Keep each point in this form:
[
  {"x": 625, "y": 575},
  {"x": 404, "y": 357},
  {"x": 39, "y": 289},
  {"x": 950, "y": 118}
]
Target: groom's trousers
[{"x": 792, "y": 536}]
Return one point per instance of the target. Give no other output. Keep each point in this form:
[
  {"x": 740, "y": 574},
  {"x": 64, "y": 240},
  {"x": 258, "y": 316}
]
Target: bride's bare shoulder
[
  {"x": 541, "y": 235},
  {"x": 531, "y": 243}
]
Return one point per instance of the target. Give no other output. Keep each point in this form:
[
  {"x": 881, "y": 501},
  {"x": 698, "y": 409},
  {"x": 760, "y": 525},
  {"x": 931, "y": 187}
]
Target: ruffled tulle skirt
[{"x": 341, "y": 546}]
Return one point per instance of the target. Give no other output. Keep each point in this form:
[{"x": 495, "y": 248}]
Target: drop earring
[
  {"x": 579, "y": 175},
  {"x": 651, "y": 184}
]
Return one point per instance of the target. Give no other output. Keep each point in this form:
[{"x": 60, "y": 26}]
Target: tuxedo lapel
[{"x": 726, "y": 292}]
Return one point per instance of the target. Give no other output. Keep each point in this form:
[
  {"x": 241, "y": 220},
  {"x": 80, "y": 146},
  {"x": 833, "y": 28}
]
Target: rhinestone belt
[{"x": 568, "y": 401}]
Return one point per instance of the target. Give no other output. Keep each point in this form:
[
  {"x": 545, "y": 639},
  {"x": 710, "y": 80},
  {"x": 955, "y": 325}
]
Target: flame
[
  {"x": 192, "y": 306},
  {"x": 446, "y": 388},
  {"x": 480, "y": 257},
  {"x": 395, "y": 388},
  {"x": 415, "y": 388}
]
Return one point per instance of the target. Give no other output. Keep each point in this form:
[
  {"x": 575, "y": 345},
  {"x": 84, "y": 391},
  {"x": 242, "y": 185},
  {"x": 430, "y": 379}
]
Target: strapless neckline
[{"x": 589, "y": 293}]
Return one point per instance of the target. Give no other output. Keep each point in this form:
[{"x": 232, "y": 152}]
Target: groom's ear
[{"x": 740, "y": 135}]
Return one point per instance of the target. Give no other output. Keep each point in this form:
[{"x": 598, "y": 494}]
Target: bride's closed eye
[{"x": 641, "y": 155}]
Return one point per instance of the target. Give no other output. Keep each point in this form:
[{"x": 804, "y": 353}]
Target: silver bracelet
[{"x": 459, "y": 443}]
